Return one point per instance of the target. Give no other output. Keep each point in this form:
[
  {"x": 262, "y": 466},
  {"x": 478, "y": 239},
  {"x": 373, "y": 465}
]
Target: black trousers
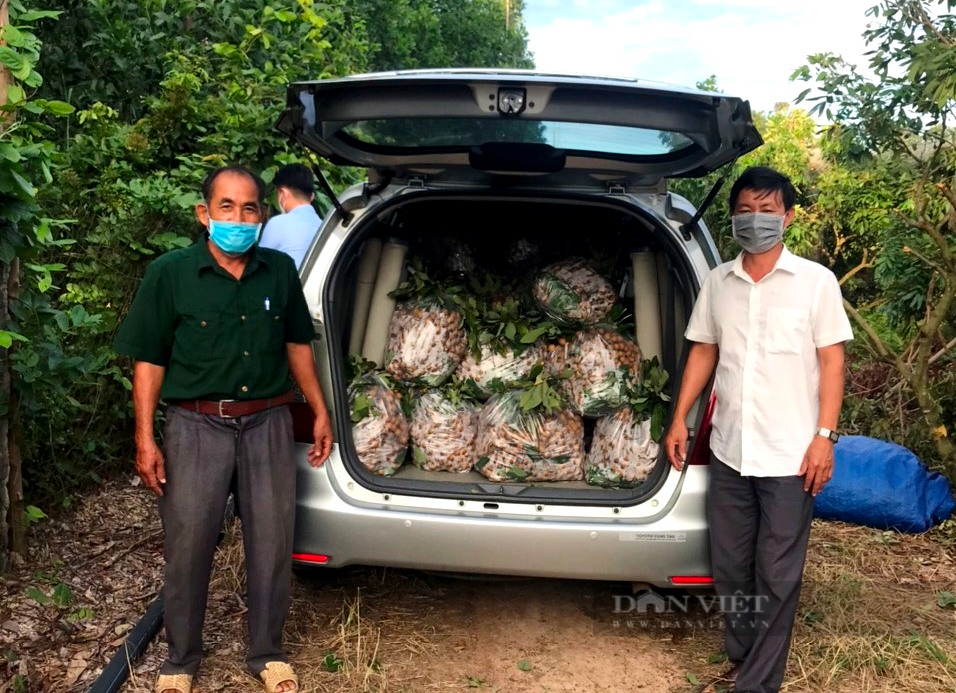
[
  {"x": 204, "y": 454},
  {"x": 759, "y": 528}
]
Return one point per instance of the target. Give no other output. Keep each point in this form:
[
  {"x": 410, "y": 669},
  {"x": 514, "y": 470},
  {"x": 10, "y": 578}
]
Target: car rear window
[{"x": 462, "y": 133}]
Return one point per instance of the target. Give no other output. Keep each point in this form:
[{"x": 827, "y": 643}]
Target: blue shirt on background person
[{"x": 293, "y": 230}]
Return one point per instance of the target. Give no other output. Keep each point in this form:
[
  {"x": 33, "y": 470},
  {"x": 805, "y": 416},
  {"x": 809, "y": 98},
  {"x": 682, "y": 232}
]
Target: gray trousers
[
  {"x": 759, "y": 528},
  {"x": 206, "y": 457}
]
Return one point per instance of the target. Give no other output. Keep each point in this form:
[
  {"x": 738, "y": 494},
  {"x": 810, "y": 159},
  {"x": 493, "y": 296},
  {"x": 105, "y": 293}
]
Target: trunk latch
[{"x": 616, "y": 189}]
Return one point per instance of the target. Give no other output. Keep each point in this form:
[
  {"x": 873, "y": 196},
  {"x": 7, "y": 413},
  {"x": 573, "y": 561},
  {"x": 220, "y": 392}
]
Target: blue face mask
[{"x": 233, "y": 237}]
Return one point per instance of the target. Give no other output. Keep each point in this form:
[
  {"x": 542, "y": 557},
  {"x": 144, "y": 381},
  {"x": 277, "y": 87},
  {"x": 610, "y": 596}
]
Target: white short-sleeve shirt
[{"x": 767, "y": 382}]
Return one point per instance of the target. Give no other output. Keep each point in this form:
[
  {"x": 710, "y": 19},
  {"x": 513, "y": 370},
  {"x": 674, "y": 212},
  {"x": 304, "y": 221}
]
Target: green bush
[{"x": 168, "y": 90}]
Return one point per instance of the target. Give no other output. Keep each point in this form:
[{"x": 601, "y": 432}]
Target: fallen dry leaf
[{"x": 76, "y": 668}]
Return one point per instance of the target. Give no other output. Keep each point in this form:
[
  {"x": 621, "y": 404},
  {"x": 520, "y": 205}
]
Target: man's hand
[
  {"x": 302, "y": 365},
  {"x": 701, "y": 362},
  {"x": 817, "y": 466},
  {"x": 675, "y": 444},
  {"x": 322, "y": 434},
  {"x": 151, "y": 466}
]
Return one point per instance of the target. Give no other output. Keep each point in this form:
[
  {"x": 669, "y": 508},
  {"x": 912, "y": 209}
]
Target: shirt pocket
[
  {"x": 786, "y": 330},
  {"x": 199, "y": 328},
  {"x": 268, "y": 330},
  {"x": 277, "y": 331}
]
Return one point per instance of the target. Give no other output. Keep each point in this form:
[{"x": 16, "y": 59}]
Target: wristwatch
[{"x": 827, "y": 433}]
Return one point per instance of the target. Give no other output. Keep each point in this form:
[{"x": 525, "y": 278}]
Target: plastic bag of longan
[
  {"x": 572, "y": 292},
  {"x": 426, "y": 343},
  {"x": 443, "y": 433},
  {"x": 515, "y": 445},
  {"x": 505, "y": 368},
  {"x": 603, "y": 365},
  {"x": 622, "y": 453},
  {"x": 379, "y": 428}
]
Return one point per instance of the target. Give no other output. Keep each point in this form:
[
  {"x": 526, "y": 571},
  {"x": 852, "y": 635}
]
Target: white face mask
[
  {"x": 279, "y": 201},
  {"x": 757, "y": 232}
]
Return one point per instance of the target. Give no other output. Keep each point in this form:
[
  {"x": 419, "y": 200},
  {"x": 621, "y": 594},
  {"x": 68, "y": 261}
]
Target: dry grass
[
  {"x": 873, "y": 616},
  {"x": 349, "y": 660},
  {"x": 343, "y": 635},
  {"x": 229, "y": 570},
  {"x": 870, "y": 621},
  {"x": 106, "y": 554},
  {"x": 369, "y": 645}
]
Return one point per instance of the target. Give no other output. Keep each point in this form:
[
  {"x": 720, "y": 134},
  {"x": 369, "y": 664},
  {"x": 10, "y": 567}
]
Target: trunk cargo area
[{"x": 465, "y": 239}]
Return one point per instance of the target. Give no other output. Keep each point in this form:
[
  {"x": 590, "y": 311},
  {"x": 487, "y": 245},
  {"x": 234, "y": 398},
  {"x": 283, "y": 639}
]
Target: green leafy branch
[
  {"x": 509, "y": 325},
  {"x": 50, "y": 591},
  {"x": 648, "y": 397},
  {"x": 539, "y": 392},
  {"x": 361, "y": 406},
  {"x": 356, "y": 367},
  {"x": 363, "y": 376},
  {"x": 20, "y": 54},
  {"x": 497, "y": 318},
  {"x": 461, "y": 391}
]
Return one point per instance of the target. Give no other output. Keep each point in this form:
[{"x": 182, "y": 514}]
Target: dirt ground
[{"x": 877, "y": 614}]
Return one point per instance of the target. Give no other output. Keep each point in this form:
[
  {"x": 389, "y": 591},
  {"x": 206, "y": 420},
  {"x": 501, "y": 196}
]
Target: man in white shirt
[
  {"x": 293, "y": 230},
  {"x": 770, "y": 327}
]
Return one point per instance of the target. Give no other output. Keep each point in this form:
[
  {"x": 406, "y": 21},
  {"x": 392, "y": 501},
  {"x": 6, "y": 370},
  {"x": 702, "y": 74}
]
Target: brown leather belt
[{"x": 232, "y": 408}]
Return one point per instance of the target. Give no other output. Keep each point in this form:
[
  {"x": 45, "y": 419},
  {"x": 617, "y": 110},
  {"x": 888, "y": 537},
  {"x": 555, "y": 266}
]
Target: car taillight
[
  {"x": 691, "y": 580},
  {"x": 318, "y": 558},
  {"x": 302, "y": 422},
  {"x": 700, "y": 453}
]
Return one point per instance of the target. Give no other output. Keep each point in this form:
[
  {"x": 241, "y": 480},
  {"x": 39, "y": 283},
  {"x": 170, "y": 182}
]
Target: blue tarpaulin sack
[{"x": 883, "y": 485}]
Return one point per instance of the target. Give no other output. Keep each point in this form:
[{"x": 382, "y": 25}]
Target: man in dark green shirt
[{"x": 215, "y": 331}]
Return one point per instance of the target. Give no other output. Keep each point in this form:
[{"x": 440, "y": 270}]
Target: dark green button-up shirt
[{"x": 217, "y": 337}]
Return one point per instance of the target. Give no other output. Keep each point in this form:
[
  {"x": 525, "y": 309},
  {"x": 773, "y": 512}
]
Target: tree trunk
[
  {"x": 6, "y": 79},
  {"x": 918, "y": 381},
  {"x": 5, "y": 391},
  {"x": 934, "y": 423},
  {"x": 6, "y": 404},
  {"x": 17, "y": 516}
]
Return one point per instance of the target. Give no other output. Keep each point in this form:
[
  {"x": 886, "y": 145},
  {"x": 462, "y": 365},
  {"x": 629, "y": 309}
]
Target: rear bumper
[{"x": 547, "y": 545}]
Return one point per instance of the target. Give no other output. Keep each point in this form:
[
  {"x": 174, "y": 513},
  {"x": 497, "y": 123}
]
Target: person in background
[
  {"x": 771, "y": 325},
  {"x": 293, "y": 230},
  {"x": 215, "y": 330}
]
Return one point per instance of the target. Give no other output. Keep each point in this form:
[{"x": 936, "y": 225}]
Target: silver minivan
[{"x": 487, "y": 158}]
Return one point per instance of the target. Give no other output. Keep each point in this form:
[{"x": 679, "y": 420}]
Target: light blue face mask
[{"x": 233, "y": 237}]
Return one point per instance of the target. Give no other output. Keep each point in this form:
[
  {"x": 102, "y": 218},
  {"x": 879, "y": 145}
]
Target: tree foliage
[
  {"x": 897, "y": 127},
  {"x": 790, "y": 147},
  {"x": 873, "y": 205},
  {"x": 406, "y": 34},
  {"x": 37, "y": 334},
  {"x": 165, "y": 90}
]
